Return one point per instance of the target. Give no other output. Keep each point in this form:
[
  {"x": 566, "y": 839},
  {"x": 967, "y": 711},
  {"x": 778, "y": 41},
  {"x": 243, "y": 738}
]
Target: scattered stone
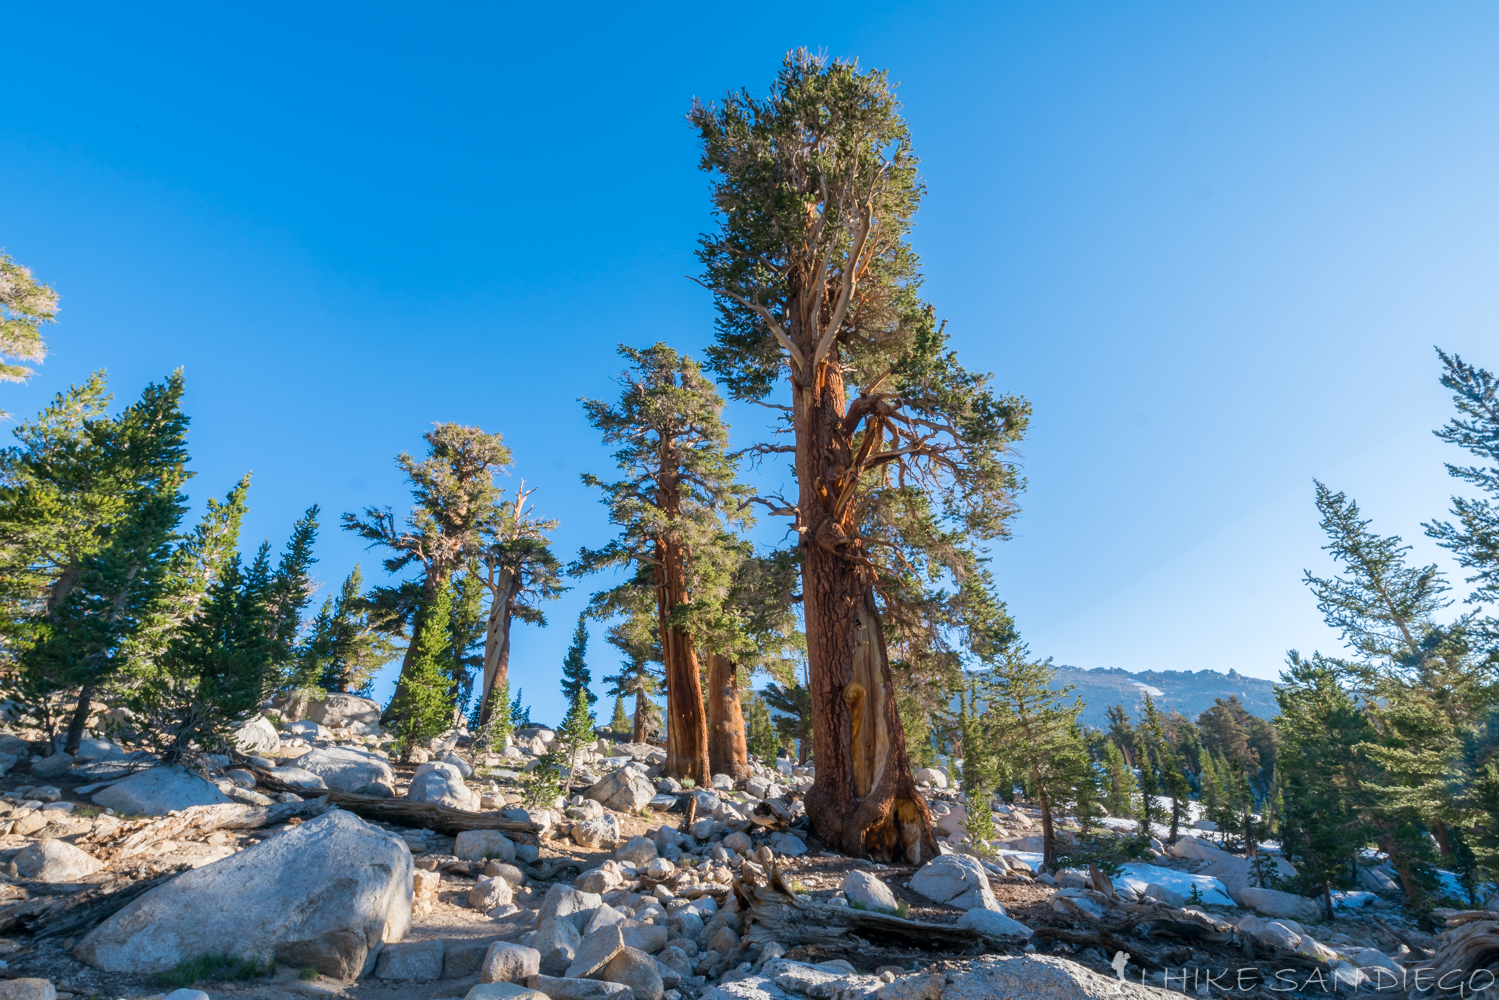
[
  {"x": 54, "y": 766},
  {"x": 637, "y": 851},
  {"x": 626, "y": 790},
  {"x": 257, "y": 736},
  {"x": 1041, "y": 977},
  {"x": 510, "y": 873},
  {"x": 441, "y": 783},
  {"x": 416, "y": 961},
  {"x": 738, "y": 842},
  {"x": 157, "y": 791},
  {"x": 956, "y": 880},
  {"x": 297, "y": 777},
  {"x": 464, "y": 767},
  {"x": 596, "y": 951},
  {"x": 596, "y": 833},
  {"x": 789, "y": 845},
  {"x": 931, "y": 776},
  {"x": 578, "y": 989},
  {"x": 557, "y": 942},
  {"x": 27, "y": 989},
  {"x": 477, "y": 845},
  {"x": 502, "y": 991},
  {"x": 868, "y": 891},
  {"x": 186, "y": 994},
  {"x": 354, "y": 772},
  {"x": 637, "y": 970},
  {"x": 489, "y": 894},
  {"x": 509, "y": 963},
  {"x": 54, "y": 861},
  {"x": 326, "y": 894}
]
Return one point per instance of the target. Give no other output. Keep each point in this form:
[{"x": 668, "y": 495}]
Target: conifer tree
[
  {"x": 25, "y": 305},
  {"x": 343, "y": 647},
  {"x": 1171, "y": 779},
  {"x": 1474, "y": 539},
  {"x": 1121, "y": 780},
  {"x": 675, "y": 508},
  {"x": 1325, "y": 777},
  {"x": 1034, "y": 727},
  {"x": 576, "y": 677},
  {"x": 901, "y": 456},
  {"x": 794, "y": 723},
  {"x": 519, "y": 571},
  {"x": 634, "y": 635},
  {"x": 455, "y": 496},
  {"x": 619, "y": 722},
  {"x": 760, "y": 732},
  {"x": 290, "y": 590},
  {"x": 423, "y": 705},
  {"x": 578, "y": 730},
  {"x": 114, "y": 597}
]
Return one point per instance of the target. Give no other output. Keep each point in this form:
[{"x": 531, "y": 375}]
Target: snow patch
[
  {"x": 1137, "y": 876},
  {"x": 1154, "y": 692}
]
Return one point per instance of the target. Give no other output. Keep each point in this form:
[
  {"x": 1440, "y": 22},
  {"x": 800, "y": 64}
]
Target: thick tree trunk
[
  {"x": 863, "y": 800},
  {"x": 1048, "y": 830},
  {"x": 642, "y": 711},
  {"x": 497, "y": 639},
  {"x": 727, "y": 750},
  {"x": 80, "y": 719},
  {"x": 686, "y": 722}
]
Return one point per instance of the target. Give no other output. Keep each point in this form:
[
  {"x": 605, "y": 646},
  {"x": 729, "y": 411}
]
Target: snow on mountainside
[{"x": 1189, "y": 692}]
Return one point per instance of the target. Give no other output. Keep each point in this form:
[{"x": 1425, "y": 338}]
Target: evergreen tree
[
  {"x": 519, "y": 571},
  {"x": 1121, "y": 780},
  {"x": 115, "y": 596},
  {"x": 423, "y": 705},
  {"x": 902, "y": 457},
  {"x": 1474, "y": 539},
  {"x": 1172, "y": 779},
  {"x": 1034, "y": 727},
  {"x": 577, "y": 732},
  {"x": 466, "y": 629},
  {"x": 675, "y": 509},
  {"x": 1324, "y": 777},
  {"x": 794, "y": 703},
  {"x": 760, "y": 732},
  {"x": 520, "y": 714},
  {"x": 286, "y": 602},
  {"x": 344, "y": 648},
  {"x": 25, "y": 305},
  {"x": 494, "y": 733},
  {"x": 979, "y": 767},
  {"x": 456, "y": 497},
  {"x": 575, "y": 675},
  {"x": 619, "y": 723}
]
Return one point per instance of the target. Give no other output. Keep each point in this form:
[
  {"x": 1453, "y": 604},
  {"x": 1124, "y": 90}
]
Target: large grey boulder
[
  {"x": 956, "y": 880},
  {"x": 596, "y": 951},
  {"x": 1041, "y": 977},
  {"x": 414, "y": 961},
  {"x": 1237, "y": 875},
  {"x": 257, "y": 736},
  {"x": 476, "y": 845},
  {"x": 55, "y": 861},
  {"x": 353, "y": 772},
  {"x": 290, "y": 774},
  {"x": 578, "y": 989},
  {"x": 864, "y": 889},
  {"x": 509, "y": 963},
  {"x": 556, "y": 941},
  {"x": 343, "y": 710},
  {"x": 602, "y": 832},
  {"x": 27, "y": 989},
  {"x": 327, "y": 894},
  {"x": 626, "y": 790},
  {"x": 442, "y": 784},
  {"x": 157, "y": 791},
  {"x": 637, "y": 970}
]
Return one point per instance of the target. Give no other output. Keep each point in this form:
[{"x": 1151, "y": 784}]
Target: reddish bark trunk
[
  {"x": 497, "y": 639},
  {"x": 642, "y": 709},
  {"x": 863, "y": 800},
  {"x": 728, "y": 753},
  {"x": 686, "y": 722}
]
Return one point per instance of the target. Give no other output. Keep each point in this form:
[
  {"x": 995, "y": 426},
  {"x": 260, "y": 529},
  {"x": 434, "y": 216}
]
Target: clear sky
[{"x": 1213, "y": 244}]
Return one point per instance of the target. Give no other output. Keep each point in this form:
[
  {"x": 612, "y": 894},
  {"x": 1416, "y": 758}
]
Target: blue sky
[{"x": 1213, "y": 244}]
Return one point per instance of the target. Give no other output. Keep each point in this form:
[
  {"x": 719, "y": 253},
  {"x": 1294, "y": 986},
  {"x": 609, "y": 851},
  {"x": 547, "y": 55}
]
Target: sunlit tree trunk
[
  {"x": 497, "y": 639},
  {"x": 728, "y": 752},
  {"x": 863, "y": 800},
  {"x": 687, "y": 723}
]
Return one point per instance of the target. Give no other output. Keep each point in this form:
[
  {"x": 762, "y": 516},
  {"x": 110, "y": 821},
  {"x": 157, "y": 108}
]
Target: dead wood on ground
[{"x": 404, "y": 812}]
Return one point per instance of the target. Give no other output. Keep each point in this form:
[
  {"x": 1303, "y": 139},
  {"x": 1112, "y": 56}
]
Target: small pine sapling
[{"x": 423, "y": 704}]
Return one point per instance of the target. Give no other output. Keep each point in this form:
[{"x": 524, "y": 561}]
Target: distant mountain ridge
[{"x": 1189, "y": 692}]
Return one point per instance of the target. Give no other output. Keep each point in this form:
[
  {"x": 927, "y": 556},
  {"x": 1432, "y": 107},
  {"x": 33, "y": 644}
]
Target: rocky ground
[{"x": 114, "y": 879}]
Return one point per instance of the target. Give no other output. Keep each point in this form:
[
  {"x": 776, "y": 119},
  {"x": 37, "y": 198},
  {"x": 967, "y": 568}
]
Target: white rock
[
  {"x": 637, "y": 851},
  {"x": 1042, "y": 977},
  {"x": 626, "y": 790},
  {"x": 476, "y": 845},
  {"x": 327, "y": 894},
  {"x": 344, "y": 710},
  {"x": 257, "y": 736},
  {"x": 55, "y": 861},
  {"x": 290, "y": 774},
  {"x": 868, "y": 891},
  {"x": 490, "y": 893},
  {"x": 789, "y": 845},
  {"x": 509, "y": 963},
  {"x": 956, "y": 880},
  {"x": 596, "y": 833},
  {"x": 412, "y": 961},
  {"x": 932, "y": 776},
  {"x": 441, "y": 783},
  {"x": 738, "y": 842},
  {"x": 157, "y": 791},
  {"x": 354, "y": 772}
]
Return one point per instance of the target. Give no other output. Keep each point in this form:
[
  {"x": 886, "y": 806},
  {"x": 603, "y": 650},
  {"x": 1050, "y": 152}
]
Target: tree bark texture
[
  {"x": 1048, "y": 829},
  {"x": 642, "y": 712},
  {"x": 728, "y": 753},
  {"x": 497, "y": 639},
  {"x": 686, "y": 722},
  {"x": 863, "y": 801}
]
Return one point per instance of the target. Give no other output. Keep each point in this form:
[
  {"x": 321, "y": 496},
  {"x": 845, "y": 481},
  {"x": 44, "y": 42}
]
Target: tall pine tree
[{"x": 575, "y": 675}]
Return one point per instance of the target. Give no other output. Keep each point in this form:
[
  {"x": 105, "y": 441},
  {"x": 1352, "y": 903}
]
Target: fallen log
[
  {"x": 404, "y": 812},
  {"x": 1461, "y": 954},
  {"x": 52, "y": 916},
  {"x": 1456, "y": 918},
  {"x": 194, "y": 822},
  {"x": 774, "y": 912}
]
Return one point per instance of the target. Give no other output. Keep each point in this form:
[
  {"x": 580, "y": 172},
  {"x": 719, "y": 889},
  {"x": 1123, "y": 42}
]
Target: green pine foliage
[
  {"x": 575, "y": 675},
  {"x": 760, "y": 735},
  {"x": 344, "y": 647},
  {"x": 25, "y": 305},
  {"x": 423, "y": 703},
  {"x": 577, "y": 732},
  {"x": 493, "y": 734}
]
